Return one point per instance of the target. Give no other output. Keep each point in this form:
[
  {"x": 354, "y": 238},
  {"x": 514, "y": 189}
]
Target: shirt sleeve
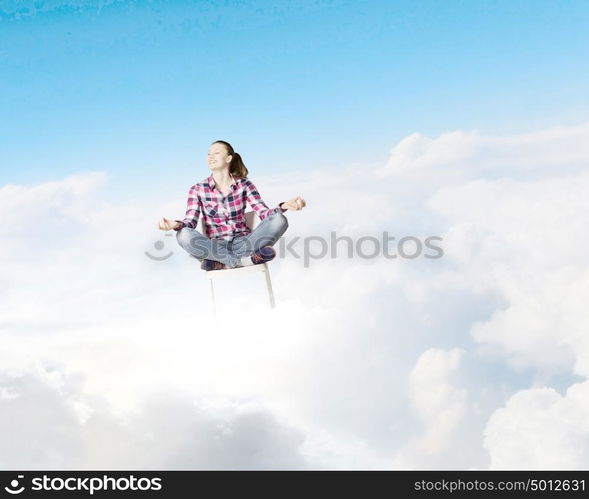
[
  {"x": 255, "y": 201},
  {"x": 192, "y": 210}
]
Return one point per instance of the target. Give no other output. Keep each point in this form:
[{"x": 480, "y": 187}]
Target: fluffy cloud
[
  {"x": 365, "y": 363},
  {"x": 492, "y": 155},
  {"x": 438, "y": 404},
  {"x": 47, "y": 421},
  {"x": 541, "y": 429},
  {"x": 526, "y": 240}
]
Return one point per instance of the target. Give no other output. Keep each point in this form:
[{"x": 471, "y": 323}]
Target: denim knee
[
  {"x": 183, "y": 236},
  {"x": 278, "y": 220}
]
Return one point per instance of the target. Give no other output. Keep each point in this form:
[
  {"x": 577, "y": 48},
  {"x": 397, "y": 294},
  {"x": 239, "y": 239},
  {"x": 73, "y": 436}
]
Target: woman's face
[{"x": 218, "y": 157}]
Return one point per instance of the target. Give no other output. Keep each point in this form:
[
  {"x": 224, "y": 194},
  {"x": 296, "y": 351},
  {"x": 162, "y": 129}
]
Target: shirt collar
[{"x": 212, "y": 184}]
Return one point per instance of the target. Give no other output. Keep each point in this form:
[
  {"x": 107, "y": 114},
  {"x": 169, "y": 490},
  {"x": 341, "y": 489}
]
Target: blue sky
[{"x": 140, "y": 89}]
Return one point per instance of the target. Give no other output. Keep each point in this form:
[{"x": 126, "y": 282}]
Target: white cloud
[
  {"x": 526, "y": 240},
  {"x": 440, "y": 405},
  {"x": 448, "y": 433},
  {"x": 490, "y": 155},
  {"x": 53, "y": 423},
  {"x": 364, "y": 363},
  {"x": 540, "y": 429}
]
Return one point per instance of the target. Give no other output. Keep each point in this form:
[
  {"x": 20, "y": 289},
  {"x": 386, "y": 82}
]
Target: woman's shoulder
[
  {"x": 204, "y": 182},
  {"x": 244, "y": 181},
  {"x": 196, "y": 190},
  {"x": 202, "y": 185}
]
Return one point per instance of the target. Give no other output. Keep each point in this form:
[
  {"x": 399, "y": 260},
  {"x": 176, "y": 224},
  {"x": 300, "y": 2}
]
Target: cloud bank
[{"x": 476, "y": 360}]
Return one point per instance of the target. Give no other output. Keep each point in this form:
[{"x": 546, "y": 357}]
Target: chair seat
[{"x": 212, "y": 274}]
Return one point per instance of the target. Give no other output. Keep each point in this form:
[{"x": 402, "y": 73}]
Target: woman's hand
[
  {"x": 296, "y": 203},
  {"x": 165, "y": 224}
]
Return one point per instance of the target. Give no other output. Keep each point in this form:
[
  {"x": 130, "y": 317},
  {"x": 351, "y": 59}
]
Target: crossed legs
[{"x": 267, "y": 233}]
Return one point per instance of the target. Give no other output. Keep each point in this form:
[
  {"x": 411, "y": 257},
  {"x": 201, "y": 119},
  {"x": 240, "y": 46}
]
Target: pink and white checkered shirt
[{"x": 224, "y": 216}]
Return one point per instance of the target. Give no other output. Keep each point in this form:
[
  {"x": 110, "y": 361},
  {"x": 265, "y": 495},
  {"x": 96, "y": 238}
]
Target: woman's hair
[{"x": 236, "y": 167}]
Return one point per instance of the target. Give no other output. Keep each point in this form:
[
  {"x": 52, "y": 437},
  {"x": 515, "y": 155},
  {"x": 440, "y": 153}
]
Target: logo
[
  {"x": 14, "y": 484},
  {"x": 159, "y": 245}
]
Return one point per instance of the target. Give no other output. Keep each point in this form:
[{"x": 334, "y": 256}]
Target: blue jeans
[{"x": 230, "y": 252}]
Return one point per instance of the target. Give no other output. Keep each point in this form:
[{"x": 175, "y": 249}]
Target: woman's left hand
[{"x": 296, "y": 203}]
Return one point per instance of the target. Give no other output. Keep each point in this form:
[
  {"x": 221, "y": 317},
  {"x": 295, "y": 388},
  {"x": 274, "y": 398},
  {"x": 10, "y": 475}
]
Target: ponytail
[{"x": 236, "y": 167}]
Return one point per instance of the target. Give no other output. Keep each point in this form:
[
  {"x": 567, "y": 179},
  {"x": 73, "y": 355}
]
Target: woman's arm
[
  {"x": 255, "y": 201},
  {"x": 297, "y": 203},
  {"x": 192, "y": 210}
]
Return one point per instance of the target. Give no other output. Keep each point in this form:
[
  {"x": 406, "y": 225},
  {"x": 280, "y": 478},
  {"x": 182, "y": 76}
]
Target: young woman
[{"x": 221, "y": 199}]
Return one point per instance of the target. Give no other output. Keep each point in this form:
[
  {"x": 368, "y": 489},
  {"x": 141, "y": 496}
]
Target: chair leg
[
  {"x": 213, "y": 297},
  {"x": 269, "y": 287}
]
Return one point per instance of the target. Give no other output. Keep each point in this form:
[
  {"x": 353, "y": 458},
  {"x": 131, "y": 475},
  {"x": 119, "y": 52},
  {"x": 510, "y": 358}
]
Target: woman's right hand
[{"x": 165, "y": 224}]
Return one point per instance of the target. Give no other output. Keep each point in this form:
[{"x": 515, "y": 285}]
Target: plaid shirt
[{"x": 224, "y": 216}]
